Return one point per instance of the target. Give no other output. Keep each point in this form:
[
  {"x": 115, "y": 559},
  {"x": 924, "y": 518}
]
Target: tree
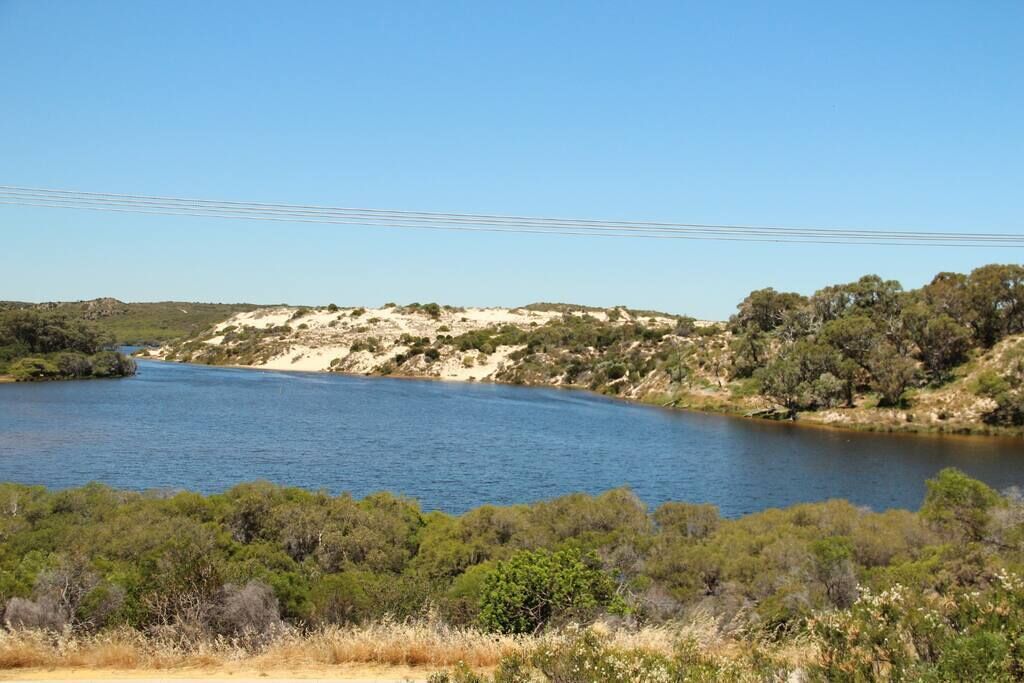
[
  {"x": 783, "y": 381},
  {"x": 942, "y": 341},
  {"x": 891, "y": 374},
  {"x": 877, "y": 297},
  {"x": 765, "y": 308},
  {"x": 749, "y": 351},
  {"x": 995, "y": 296},
  {"x": 856, "y": 336},
  {"x": 947, "y": 294},
  {"x": 800, "y": 370}
]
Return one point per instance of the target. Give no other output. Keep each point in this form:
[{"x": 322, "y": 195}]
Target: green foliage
[
  {"x": 898, "y": 634},
  {"x": 93, "y": 558},
  {"x": 1006, "y": 389},
  {"x": 750, "y": 350},
  {"x": 531, "y": 589},
  {"x": 891, "y": 374},
  {"x": 806, "y": 375},
  {"x": 959, "y": 505},
  {"x": 42, "y": 345},
  {"x": 587, "y": 656},
  {"x": 142, "y": 324},
  {"x": 764, "y": 309},
  {"x": 371, "y": 344},
  {"x": 942, "y": 341}
]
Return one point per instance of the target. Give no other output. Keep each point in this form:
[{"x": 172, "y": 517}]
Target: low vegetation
[
  {"x": 140, "y": 324},
  {"x": 597, "y": 585},
  {"x": 41, "y": 345}
]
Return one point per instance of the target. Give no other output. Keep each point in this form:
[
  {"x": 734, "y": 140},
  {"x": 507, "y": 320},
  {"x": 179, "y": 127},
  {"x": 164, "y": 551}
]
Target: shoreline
[{"x": 913, "y": 429}]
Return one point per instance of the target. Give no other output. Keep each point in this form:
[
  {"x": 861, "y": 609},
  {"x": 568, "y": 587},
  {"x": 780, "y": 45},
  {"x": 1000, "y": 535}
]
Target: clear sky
[{"x": 906, "y": 115}]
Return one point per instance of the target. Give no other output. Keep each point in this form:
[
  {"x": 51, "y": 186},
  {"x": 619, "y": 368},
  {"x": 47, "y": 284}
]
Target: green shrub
[
  {"x": 531, "y": 589},
  {"x": 959, "y": 504},
  {"x": 28, "y": 369}
]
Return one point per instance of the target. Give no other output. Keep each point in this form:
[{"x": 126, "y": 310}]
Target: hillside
[
  {"x": 140, "y": 323},
  {"x": 946, "y": 358}
]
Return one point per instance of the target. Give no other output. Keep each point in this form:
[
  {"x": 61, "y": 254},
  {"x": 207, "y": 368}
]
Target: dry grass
[
  {"x": 412, "y": 644},
  {"x": 419, "y": 644}
]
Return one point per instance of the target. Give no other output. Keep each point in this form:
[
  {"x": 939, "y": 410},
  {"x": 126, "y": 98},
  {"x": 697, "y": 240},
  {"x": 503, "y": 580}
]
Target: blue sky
[{"x": 890, "y": 115}]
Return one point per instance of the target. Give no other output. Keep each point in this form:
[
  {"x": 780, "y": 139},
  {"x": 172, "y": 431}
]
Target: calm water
[{"x": 452, "y": 446}]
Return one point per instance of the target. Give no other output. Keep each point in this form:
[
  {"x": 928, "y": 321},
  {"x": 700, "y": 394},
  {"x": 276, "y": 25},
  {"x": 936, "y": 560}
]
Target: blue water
[{"x": 451, "y": 445}]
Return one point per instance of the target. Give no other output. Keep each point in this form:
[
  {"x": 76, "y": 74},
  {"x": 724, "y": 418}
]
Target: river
[{"x": 452, "y": 446}]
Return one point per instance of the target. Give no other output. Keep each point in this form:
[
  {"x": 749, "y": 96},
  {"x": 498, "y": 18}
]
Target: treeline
[
  {"x": 871, "y": 335},
  {"x": 248, "y": 561},
  {"x": 868, "y": 343},
  {"x": 43, "y": 345}
]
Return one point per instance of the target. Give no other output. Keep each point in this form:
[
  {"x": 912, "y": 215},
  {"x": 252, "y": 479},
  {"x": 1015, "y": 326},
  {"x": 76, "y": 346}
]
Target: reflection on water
[{"x": 453, "y": 446}]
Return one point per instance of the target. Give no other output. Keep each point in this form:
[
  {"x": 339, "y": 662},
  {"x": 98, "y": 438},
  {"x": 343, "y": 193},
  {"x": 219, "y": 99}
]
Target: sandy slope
[{"x": 322, "y": 339}]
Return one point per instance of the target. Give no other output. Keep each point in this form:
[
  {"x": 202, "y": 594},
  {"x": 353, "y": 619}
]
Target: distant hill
[{"x": 142, "y": 323}]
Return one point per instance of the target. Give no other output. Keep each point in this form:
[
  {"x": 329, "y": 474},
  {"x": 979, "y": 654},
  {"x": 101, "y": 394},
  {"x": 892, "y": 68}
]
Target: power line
[{"x": 391, "y": 218}]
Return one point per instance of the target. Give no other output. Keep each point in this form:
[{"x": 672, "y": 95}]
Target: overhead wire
[{"x": 471, "y": 222}]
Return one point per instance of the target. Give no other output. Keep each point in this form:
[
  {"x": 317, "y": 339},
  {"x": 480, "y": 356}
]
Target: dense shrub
[
  {"x": 526, "y": 592},
  {"x": 36, "y": 345},
  {"x": 238, "y": 562}
]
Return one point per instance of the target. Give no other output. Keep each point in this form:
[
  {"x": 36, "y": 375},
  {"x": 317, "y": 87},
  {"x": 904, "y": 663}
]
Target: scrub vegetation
[
  {"x": 140, "y": 324},
  {"x": 44, "y": 345},
  {"x": 579, "y": 588}
]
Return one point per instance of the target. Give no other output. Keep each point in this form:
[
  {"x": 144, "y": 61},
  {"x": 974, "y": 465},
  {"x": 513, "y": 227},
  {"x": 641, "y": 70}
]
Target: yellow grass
[{"x": 421, "y": 645}]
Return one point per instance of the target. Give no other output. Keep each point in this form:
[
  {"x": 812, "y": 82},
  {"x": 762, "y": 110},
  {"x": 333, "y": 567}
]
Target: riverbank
[{"x": 639, "y": 356}]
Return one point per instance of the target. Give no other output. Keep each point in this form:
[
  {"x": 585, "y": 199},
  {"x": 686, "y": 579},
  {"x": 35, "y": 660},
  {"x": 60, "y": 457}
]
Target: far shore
[{"x": 909, "y": 429}]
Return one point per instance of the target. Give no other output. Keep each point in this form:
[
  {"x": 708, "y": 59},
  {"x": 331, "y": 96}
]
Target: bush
[
  {"x": 617, "y": 371},
  {"x": 29, "y": 369},
  {"x": 22, "y": 613},
  {"x": 247, "y": 610},
  {"x": 342, "y": 598},
  {"x": 968, "y": 635},
  {"x": 371, "y": 344},
  {"x": 958, "y": 504},
  {"x": 525, "y": 593}
]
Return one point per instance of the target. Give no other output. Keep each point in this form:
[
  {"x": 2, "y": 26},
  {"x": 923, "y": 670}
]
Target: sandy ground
[
  {"x": 349, "y": 674},
  {"x": 321, "y": 337}
]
